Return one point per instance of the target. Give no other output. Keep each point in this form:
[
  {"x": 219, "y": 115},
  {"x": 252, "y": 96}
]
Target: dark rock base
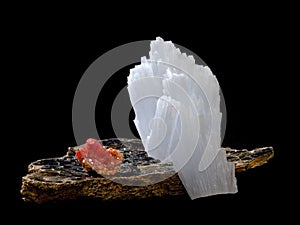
[{"x": 63, "y": 178}]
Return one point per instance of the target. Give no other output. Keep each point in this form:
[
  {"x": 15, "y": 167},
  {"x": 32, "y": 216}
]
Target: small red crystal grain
[{"x": 95, "y": 157}]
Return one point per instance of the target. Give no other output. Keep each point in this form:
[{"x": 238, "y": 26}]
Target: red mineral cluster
[{"x": 95, "y": 157}]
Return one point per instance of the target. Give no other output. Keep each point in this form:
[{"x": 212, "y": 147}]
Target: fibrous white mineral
[{"x": 177, "y": 107}]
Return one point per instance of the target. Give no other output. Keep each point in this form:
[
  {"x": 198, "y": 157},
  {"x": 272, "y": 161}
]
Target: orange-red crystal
[{"x": 95, "y": 157}]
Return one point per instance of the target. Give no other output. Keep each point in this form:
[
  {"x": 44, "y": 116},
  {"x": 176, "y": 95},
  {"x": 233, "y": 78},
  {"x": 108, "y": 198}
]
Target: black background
[{"x": 247, "y": 52}]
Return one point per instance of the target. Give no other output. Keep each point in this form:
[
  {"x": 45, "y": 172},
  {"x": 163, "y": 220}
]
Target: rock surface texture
[{"x": 64, "y": 178}]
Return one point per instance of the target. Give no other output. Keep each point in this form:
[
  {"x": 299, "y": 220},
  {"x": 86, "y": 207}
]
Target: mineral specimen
[
  {"x": 64, "y": 178},
  {"x": 95, "y": 157},
  {"x": 177, "y": 107}
]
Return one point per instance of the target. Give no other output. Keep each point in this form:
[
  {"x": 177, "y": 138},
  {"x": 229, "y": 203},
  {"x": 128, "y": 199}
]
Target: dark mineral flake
[{"x": 65, "y": 178}]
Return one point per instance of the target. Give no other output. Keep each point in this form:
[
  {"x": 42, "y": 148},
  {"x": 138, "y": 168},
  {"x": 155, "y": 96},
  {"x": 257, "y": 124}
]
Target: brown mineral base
[{"x": 56, "y": 179}]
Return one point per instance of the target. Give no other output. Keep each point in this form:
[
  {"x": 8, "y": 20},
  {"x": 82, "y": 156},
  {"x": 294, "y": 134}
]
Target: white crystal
[{"x": 177, "y": 107}]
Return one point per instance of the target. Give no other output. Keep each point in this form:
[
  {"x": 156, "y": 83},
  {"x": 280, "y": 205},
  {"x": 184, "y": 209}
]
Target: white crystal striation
[{"x": 177, "y": 107}]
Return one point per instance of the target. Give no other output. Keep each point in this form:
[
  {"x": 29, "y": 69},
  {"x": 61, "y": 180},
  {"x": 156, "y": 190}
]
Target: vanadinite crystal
[{"x": 99, "y": 159}]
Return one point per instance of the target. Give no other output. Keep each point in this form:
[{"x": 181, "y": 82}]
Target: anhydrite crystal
[{"x": 177, "y": 107}]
